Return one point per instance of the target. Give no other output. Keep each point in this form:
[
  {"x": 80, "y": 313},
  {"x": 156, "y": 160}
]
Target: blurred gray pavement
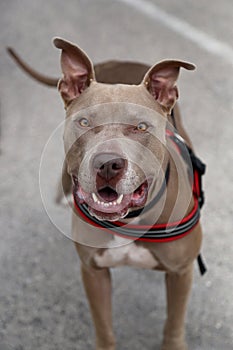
[{"x": 42, "y": 302}]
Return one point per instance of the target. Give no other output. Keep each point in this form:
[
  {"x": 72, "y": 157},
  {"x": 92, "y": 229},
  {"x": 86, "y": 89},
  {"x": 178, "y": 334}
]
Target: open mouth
[{"x": 107, "y": 204}]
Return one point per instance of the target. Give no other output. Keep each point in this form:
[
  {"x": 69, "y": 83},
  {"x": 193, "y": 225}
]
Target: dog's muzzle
[{"x": 107, "y": 202}]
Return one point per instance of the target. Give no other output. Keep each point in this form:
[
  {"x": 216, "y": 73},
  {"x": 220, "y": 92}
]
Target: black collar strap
[{"x": 149, "y": 233}]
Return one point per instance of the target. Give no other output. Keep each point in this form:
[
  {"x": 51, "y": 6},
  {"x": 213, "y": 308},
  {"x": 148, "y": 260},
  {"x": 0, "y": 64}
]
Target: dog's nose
[{"x": 109, "y": 165}]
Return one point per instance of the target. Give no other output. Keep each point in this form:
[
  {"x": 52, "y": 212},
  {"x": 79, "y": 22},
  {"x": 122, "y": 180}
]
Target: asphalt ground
[{"x": 42, "y": 302}]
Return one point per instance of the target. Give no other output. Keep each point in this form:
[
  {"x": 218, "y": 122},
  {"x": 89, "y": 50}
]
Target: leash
[{"x": 159, "y": 232}]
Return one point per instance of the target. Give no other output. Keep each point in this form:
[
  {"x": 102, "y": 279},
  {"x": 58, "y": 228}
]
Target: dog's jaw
[{"x": 108, "y": 205}]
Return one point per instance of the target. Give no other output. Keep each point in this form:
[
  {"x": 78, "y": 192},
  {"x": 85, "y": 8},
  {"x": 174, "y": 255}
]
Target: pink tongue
[{"x": 108, "y": 194}]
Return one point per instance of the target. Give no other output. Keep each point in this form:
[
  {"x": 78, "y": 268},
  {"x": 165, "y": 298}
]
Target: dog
[{"x": 127, "y": 165}]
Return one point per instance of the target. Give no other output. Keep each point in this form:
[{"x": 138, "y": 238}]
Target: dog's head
[{"x": 115, "y": 134}]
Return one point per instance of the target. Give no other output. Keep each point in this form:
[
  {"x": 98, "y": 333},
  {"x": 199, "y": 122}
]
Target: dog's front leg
[
  {"x": 178, "y": 288},
  {"x": 97, "y": 284}
]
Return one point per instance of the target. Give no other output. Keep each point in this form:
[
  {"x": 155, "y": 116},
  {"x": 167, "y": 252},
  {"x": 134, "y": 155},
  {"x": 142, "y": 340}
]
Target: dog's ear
[
  {"x": 161, "y": 80},
  {"x": 77, "y": 69}
]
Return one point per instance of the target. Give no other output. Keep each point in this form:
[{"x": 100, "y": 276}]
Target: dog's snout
[{"x": 109, "y": 166}]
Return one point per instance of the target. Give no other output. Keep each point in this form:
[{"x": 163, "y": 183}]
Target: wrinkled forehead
[
  {"x": 118, "y": 112},
  {"x": 112, "y": 117}
]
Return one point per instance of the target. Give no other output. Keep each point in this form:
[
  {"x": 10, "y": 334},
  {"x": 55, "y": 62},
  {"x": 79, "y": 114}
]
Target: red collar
[{"x": 156, "y": 233}]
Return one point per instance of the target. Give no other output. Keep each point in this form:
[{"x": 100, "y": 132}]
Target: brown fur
[{"x": 157, "y": 90}]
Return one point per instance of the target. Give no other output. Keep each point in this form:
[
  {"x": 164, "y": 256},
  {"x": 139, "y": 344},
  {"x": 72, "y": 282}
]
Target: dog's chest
[{"x": 129, "y": 253}]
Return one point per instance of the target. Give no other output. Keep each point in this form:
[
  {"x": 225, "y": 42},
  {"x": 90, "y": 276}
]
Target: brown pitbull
[{"x": 119, "y": 156}]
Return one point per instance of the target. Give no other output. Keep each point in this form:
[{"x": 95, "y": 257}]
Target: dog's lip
[
  {"x": 113, "y": 216},
  {"x": 111, "y": 210}
]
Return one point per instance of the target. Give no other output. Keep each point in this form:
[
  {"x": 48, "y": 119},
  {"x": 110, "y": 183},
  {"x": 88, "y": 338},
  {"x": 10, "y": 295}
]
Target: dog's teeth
[
  {"x": 119, "y": 200},
  {"x": 94, "y": 197},
  {"x": 106, "y": 204}
]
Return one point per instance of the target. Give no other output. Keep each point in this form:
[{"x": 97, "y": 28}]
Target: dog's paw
[
  {"x": 173, "y": 345},
  {"x": 107, "y": 347}
]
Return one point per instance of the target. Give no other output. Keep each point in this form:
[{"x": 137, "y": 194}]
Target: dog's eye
[
  {"x": 142, "y": 126},
  {"x": 84, "y": 122}
]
